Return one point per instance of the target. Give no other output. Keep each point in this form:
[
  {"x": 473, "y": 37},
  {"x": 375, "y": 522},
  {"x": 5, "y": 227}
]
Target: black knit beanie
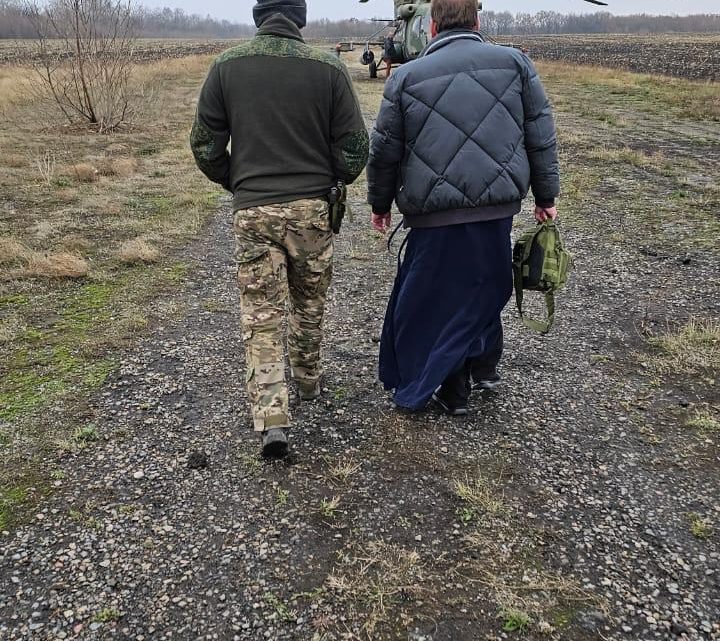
[{"x": 295, "y": 10}]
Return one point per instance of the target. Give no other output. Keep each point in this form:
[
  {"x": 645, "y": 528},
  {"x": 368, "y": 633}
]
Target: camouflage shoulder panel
[
  {"x": 355, "y": 151},
  {"x": 279, "y": 48},
  {"x": 201, "y": 142}
]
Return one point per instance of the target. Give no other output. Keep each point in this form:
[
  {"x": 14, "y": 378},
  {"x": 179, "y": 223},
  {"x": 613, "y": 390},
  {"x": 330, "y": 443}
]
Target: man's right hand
[
  {"x": 543, "y": 214},
  {"x": 381, "y": 222}
]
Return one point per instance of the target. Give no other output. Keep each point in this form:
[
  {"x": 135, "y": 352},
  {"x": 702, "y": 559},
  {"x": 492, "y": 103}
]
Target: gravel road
[{"x": 362, "y": 532}]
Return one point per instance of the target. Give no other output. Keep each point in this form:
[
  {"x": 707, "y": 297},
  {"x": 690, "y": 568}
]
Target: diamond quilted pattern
[
  {"x": 467, "y": 112},
  {"x": 457, "y": 120},
  {"x": 439, "y": 142}
]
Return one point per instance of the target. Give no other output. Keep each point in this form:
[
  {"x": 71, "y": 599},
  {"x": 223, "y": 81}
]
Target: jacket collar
[
  {"x": 280, "y": 26},
  {"x": 446, "y": 37}
]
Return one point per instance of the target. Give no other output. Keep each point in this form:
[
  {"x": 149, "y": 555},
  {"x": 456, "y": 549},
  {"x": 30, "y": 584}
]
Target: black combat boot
[
  {"x": 452, "y": 396},
  {"x": 484, "y": 370},
  {"x": 486, "y": 378},
  {"x": 275, "y": 443}
]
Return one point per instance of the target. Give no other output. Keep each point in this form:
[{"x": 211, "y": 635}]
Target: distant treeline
[
  {"x": 157, "y": 23},
  {"x": 175, "y": 23},
  {"x": 550, "y": 22}
]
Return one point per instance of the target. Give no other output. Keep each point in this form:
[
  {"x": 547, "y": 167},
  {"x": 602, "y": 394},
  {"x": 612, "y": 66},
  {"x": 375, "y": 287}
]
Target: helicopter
[{"x": 403, "y": 37}]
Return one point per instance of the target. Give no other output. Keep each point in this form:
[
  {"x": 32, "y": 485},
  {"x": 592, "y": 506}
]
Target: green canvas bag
[{"x": 540, "y": 264}]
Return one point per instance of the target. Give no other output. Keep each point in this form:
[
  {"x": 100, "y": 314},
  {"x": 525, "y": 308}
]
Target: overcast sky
[{"x": 241, "y": 10}]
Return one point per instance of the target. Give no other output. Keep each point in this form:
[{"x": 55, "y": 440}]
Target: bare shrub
[
  {"x": 138, "y": 251},
  {"x": 84, "y": 58},
  {"x": 46, "y": 166}
]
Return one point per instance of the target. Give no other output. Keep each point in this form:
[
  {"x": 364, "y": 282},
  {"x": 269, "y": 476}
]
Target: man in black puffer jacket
[{"x": 462, "y": 134}]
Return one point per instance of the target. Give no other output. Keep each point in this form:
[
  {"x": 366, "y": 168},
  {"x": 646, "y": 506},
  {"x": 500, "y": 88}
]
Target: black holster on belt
[{"x": 337, "y": 205}]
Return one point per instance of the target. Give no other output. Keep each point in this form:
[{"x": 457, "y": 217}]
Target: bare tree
[{"x": 84, "y": 58}]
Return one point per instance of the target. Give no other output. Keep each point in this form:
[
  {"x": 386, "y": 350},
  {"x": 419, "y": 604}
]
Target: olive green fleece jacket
[{"x": 291, "y": 117}]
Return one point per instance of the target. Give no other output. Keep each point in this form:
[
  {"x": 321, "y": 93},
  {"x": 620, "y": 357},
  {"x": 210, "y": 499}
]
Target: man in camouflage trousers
[{"x": 296, "y": 129}]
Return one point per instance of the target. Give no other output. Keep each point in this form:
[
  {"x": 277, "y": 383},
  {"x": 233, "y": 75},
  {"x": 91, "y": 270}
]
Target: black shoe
[
  {"x": 489, "y": 381},
  {"x": 452, "y": 410},
  {"x": 275, "y": 443},
  {"x": 406, "y": 410}
]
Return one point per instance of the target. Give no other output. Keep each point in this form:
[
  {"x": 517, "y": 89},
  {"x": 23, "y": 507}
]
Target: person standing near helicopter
[
  {"x": 298, "y": 136},
  {"x": 462, "y": 134}
]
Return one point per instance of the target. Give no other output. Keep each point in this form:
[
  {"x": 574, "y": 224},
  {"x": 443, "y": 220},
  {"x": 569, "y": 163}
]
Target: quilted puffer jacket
[{"x": 462, "y": 134}]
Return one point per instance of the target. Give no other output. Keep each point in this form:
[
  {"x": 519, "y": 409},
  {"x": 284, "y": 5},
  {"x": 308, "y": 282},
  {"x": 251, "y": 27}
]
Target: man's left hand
[{"x": 543, "y": 214}]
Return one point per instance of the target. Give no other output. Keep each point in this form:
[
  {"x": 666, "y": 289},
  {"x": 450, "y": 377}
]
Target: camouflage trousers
[{"x": 282, "y": 249}]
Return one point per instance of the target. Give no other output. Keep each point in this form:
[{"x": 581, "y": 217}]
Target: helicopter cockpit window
[
  {"x": 421, "y": 26},
  {"x": 418, "y": 34}
]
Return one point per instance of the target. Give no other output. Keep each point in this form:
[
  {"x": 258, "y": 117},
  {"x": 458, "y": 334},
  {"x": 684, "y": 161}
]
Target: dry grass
[
  {"x": 380, "y": 578},
  {"x": 342, "y": 470},
  {"x": 83, "y": 172},
  {"x": 57, "y": 266},
  {"x": 122, "y": 167},
  {"x": 13, "y": 86},
  {"x": 693, "y": 349},
  {"x": 133, "y": 252},
  {"x": 577, "y": 184},
  {"x": 636, "y": 157},
  {"x": 11, "y": 328},
  {"x": 687, "y": 98},
  {"x": 13, "y": 252},
  {"x": 75, "y": 244},
  {"x": 53, "y": 223},
  {"x": 22, "y": 262},
  {"x": 479, "y": 493},
  {"x": 44, "y": 229},
  {"x": 15, "y": 161},
  {"x": 174, "y": 69},
  {"x": 534, "y": 596},
  {"x": 705, "y": 421}
]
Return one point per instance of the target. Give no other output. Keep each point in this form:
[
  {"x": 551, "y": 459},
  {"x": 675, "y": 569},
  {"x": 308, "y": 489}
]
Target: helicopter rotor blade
[{"x": 604, "y": 4}]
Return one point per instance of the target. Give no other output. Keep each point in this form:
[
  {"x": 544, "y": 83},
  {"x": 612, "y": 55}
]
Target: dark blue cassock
[{"x": 445, "y": 306}]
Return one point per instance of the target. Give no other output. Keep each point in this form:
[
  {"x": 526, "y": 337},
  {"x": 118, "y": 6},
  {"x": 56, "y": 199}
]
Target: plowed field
[
  {"x": 695, "y": 56},
  {"x": 692, "y": 56}
]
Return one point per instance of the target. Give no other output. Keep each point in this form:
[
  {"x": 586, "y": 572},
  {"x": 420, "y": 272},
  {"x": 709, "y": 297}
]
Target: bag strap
[
  {"x": 536, "y": 325},
  {"x": 518, "y": 282},
  {"x": 392, "y": 236},
  {"x": 542, "y": 326}
]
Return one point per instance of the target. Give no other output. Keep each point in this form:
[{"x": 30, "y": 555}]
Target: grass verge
[
  {"x": 693, "y": 349},
  {"x": 647, "y": 93},
  {"x": 90, "y": 224}
]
